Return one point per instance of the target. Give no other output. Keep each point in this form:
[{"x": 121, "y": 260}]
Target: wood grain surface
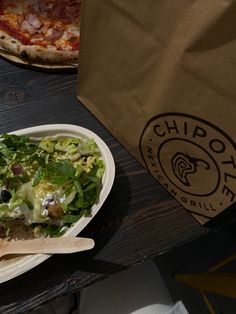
[{"x": 138, "y": 221}]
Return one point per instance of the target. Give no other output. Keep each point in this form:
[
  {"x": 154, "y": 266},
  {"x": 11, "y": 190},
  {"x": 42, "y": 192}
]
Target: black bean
[{"x": 5, "y": 196}]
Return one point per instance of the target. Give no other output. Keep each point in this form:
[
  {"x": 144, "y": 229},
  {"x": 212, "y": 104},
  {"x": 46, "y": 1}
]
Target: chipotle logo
[{"x": 193, "y": 159}]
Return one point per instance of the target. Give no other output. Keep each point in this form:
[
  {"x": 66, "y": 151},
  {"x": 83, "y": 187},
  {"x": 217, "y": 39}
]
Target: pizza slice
[{"x": 41, "y": 30}]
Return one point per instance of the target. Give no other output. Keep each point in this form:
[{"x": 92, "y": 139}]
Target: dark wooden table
[{"x": 138, "y": 221}]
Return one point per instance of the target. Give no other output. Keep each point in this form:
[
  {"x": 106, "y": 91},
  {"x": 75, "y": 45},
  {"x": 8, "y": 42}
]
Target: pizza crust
[
  {"x": 39, "y": 65},
  {"x": 36, "y": 53},
  {"x": 41, "y": 54},
  {"x": 8, "y": 43}
]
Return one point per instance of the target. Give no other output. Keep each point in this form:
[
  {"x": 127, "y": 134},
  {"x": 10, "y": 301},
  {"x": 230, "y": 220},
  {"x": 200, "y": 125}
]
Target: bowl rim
[{"x": 12, "y": 269}]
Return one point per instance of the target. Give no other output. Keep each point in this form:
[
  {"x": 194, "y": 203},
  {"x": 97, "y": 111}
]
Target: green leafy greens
[{"x": 50, "y": 184}]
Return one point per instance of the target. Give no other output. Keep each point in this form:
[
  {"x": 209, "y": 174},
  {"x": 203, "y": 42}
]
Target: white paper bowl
[{"x": 13, "y": 267}]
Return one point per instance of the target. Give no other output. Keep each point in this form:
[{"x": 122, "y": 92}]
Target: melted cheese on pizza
[{"x": 52, "y": 24}]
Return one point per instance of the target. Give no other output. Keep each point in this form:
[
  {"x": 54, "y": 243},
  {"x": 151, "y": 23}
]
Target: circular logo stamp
[{"x": 193, "y": 159}]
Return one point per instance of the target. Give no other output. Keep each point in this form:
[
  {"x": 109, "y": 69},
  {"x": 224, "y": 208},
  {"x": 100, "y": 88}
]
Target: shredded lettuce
[{"x": 60, "y": 181}]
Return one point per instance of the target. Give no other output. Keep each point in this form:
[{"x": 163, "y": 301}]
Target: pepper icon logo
[
  {"x": 193, "y": 159},
  {"x": 184, "y": 166}
]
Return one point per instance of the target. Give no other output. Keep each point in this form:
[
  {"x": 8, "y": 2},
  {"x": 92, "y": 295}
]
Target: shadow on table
[{"x": 223, "y": 219}]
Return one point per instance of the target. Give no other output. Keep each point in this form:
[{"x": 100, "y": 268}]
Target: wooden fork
[{"x": 60, "y": 245}]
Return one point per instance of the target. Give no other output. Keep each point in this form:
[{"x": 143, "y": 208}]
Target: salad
[{"x": 47, "y": 185}]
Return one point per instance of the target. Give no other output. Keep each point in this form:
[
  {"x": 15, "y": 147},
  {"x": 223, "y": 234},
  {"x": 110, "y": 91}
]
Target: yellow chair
[{"x": 219, "y": 283}]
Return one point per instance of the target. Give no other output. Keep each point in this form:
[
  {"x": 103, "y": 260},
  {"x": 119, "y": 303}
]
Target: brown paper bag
[{"x": 161, "y": 76}]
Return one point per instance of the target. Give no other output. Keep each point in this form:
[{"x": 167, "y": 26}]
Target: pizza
[{"x": 46, "y": 31}]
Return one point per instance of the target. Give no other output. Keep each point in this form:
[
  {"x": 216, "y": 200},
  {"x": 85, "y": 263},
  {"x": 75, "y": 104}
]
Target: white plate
[{"x": 13, "y": 267}]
